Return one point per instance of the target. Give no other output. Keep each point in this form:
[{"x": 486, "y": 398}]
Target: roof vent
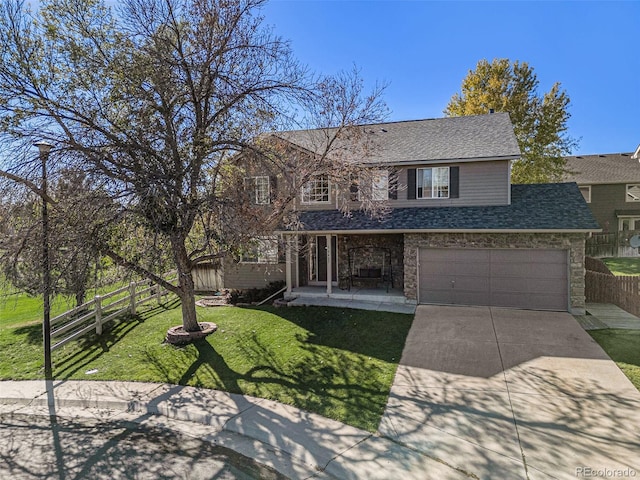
[
  {"x": 491, "y": 110},
  {"x": 383, "y": 130},
  {"x": 602, "y": 156}
]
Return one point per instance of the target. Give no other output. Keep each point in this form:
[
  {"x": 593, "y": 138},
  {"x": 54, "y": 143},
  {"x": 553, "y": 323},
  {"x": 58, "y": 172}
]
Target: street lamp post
[{"x": 44, "y": 149}]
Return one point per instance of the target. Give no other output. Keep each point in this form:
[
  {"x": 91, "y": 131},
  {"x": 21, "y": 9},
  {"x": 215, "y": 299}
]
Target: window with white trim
[
  {"x": 316, "y": 190},
  {"x": 432, "y": 182},
  {"x": 633, "y": 193},
  {"x": 628, "y": 223},
  {"x": 261, "y": 190},
  {"x": 261, "y": 250}
]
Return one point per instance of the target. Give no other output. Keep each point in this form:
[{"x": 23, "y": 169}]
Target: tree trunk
[
  {"x": 186, "y": 287},
  {"x": 80, "y": 295}
]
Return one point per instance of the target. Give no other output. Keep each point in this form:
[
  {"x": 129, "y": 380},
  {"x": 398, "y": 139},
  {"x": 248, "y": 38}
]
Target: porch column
[
  {"x": 329, "y": 265},
  {"x": 287, "y": 269},
  {"x": 296, "y": 264}
]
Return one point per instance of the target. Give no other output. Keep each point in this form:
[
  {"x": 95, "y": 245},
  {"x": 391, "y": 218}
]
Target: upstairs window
[
  {"x": 633, "y": 193},
  {"x": 380, "y": 186},
  {"x": 261, "y": 190},
  {"x": 316, "y": 190},
  {"x": 376, "y": 185},
  {"x": 432, "y": 182}
]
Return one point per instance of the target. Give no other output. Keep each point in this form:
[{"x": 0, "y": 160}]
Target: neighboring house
[
  {"x": 610, "y": 184},
  {"x": 458, "y": 232}
]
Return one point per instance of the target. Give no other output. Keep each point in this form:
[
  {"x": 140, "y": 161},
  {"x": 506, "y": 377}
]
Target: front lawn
[
  {"x": 623, "y": 346},
  {"x": 623, "y": 265},
  {"x": 336, "y": 362}
]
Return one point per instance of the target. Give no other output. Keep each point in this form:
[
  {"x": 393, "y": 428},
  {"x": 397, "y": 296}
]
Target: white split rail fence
[{"x": 93, "y": 314}]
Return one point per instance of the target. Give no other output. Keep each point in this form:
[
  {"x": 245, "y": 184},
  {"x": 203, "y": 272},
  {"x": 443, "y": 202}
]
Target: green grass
[
  {"x": 623, "y": 265},
  {"x": 336, "y": 362},
  {"x": 623, "y": 346}
]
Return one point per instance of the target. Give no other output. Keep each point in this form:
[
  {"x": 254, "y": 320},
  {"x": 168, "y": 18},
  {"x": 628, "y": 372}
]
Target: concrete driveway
[{"x": 499, "y": 394}]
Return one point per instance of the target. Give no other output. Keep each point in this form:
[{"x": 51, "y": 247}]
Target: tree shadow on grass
[
  {"x": 330, "y": 382},
  {"x": 32, "y": 333},
  {"x": 93, "y": 346},
  {"x": 375, "y": 334}
]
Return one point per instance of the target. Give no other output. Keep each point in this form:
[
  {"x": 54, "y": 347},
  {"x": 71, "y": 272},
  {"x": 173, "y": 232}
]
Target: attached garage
[{"x": 535, "y": 279}]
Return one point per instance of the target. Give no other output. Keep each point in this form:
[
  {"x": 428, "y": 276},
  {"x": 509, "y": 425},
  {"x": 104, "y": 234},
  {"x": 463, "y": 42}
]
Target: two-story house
[
  {"x": 457, "y": 231},
  {"x": 610, "y": 184}
]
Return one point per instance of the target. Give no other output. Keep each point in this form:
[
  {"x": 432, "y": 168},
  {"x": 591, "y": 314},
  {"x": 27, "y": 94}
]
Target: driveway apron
[{"x": 504, "y": 393}]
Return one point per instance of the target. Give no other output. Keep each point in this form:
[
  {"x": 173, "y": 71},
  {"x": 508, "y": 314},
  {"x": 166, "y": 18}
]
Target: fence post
[
  {"x": 159, "y": 293},
  {"x": 132, "y": 297},
  {"x": 98, "y": 313}
]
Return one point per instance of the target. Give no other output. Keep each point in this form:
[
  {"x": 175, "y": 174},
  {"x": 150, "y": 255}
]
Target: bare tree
[{"x": 161, "y": 103}]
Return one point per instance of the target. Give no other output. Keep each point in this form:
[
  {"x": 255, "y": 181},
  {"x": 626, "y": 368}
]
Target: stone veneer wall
[
  {"x": 574, "y": 242},
  {"x": 367, "y": 258}
]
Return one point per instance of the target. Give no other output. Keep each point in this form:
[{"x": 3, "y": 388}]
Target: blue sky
[{"x": 424, "y": 49}]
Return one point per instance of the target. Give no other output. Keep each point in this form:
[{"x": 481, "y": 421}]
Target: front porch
[
  {"x": 378, "y": 299},
  {"x": 365, "y": 271}
]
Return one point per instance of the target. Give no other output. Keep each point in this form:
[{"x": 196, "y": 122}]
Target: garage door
[{"x": 521, "y": 278}]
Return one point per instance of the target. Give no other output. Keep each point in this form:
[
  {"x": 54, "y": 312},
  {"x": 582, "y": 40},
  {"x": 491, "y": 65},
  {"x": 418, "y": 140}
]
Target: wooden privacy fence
[
  {"x": 614, "y": 244},
  {"x": 607, "y": 288},
  {"x": 93, "y": 314}
]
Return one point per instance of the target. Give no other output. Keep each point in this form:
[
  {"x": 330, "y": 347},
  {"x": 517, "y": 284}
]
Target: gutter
[{"x": 437, "y": 230}]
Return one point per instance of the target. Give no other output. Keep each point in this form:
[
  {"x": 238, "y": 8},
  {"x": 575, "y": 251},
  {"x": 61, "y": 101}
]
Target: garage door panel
[
  {"x": 439, "y": 296},
  {"x": 544, "y": 286},
  {"x": 437, "y": 282},
  {"x": 521, "y": 278},
  {"x": 472, "y": 269},
  {"x": 471, "y": 283},
  {"x": 441, "y": 269},
  {"x": 525, "y": 255},
  {"x": 523, "y": 285},
  {"x": 503, "y": 284},
  {"x": 532, "y": 270},
  {"x": 470, "y": 298}
]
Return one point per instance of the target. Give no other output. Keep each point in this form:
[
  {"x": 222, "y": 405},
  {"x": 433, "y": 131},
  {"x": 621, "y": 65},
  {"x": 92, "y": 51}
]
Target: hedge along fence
[
  {"x": 93, "y": 314},
  {"x": 601, "y": 286}
]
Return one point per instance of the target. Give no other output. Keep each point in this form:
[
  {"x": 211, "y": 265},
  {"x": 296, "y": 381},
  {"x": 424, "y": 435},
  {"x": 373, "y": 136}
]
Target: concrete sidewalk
[
  {"x": 612, "y": 316},
  {"x": 501, "y": 393},
  {"x": 296, "y": 443}
]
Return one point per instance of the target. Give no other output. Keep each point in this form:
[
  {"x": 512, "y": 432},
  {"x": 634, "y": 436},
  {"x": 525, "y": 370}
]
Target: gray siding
[
  {"x": 605, "y": 200},
  {"x": 481, "y": 183}
]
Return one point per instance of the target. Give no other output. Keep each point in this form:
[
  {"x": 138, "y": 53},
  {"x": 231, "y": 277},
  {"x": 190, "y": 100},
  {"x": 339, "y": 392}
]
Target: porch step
[
  {"x": 325, "y": 301},
  {"x": 364, "y": 295}
]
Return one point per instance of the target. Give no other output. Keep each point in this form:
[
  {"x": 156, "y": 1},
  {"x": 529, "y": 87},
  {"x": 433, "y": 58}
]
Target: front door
[{"x": 318, "y": 263}]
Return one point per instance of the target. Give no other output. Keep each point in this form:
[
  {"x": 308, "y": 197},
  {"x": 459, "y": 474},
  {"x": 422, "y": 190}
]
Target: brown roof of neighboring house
[
  {"x": 602, "y": 169},
  {"x": 474, "y": 137}
]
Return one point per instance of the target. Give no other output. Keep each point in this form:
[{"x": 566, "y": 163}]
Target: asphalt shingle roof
[
  {"x": 602, "y": 169},
  {"x": 558, "y": 206},
  {"x": 452, "y": 138}
]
